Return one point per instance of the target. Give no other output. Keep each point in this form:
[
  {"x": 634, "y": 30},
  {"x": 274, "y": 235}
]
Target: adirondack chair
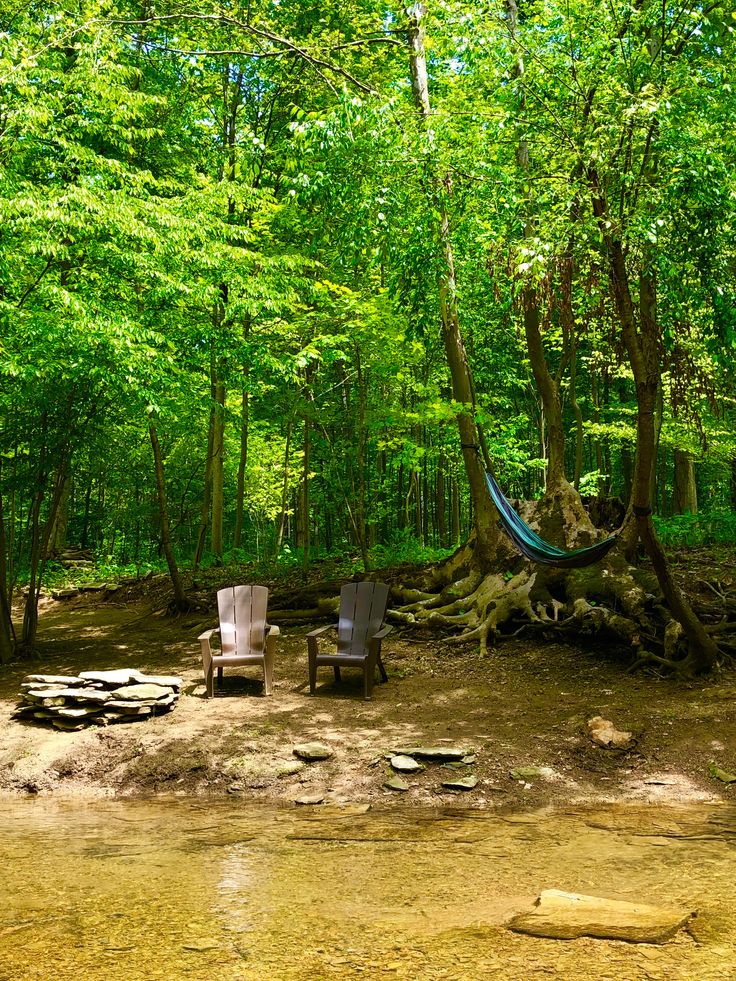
[
  {"x": 359, "y": 634},
  {"x": 245, "y": 637}
]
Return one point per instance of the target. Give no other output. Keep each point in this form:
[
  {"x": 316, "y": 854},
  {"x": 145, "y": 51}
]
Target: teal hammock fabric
[{"x": 535, "y": 548}]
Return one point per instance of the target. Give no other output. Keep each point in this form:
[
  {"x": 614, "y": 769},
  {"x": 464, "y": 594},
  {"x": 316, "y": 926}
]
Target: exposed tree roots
[{"x": 612, "y": 600}]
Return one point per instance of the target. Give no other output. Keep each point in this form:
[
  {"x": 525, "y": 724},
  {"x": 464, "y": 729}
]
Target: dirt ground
[{"x": 525, "y": 705}]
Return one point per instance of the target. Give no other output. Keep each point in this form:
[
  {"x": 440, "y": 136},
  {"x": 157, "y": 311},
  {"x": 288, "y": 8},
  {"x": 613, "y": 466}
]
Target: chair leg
[
  {"x": 209, "y": 680},
  {"x": 312, "y": 673},
  {"x": 369, "y": 670},
  {"x": 337, "y": 674},
  {"x": 384, "y": 676},
  {"x": 268, "y": 673},
  {"x": 219, "y": 677}
]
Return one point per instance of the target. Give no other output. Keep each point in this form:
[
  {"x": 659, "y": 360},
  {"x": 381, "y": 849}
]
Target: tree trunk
[
  {"x": 456, "y": 529},
  {"x": 643, "y": 348},
  {"x": 304, "y": 499},
  {"x": 6, "y": 623},
  {"x": 462, "y": 386},
  {"x": 218, "y": 471},
  {"x": 441, "y": 503},
  {"x": 57, "y": 541},
  {"x": 284, "y": 492},
  {"x": 243, "y": 457},
  {"x": 685, "y": 489},
  {"x": 204, "y": 515},
  {"x": 180, "y": 599}
]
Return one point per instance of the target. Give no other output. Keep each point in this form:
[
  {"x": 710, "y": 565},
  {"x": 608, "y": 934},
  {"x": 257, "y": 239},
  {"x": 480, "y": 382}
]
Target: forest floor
[{"x": 523, "y": 707}]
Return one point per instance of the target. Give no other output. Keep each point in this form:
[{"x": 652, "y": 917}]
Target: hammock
[{"x": 535, "y": 548}]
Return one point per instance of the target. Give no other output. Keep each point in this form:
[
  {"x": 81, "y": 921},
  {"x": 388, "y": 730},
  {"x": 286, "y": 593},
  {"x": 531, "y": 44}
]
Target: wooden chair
[
  {"x": 359, "y": 634},
  {"x": 245, "y": 637}
]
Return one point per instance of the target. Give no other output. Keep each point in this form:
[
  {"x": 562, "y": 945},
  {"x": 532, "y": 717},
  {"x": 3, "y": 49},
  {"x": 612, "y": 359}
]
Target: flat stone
[
  {"x": 77, "y": 713},
  {"x": 462, "y": 783},
  {"x": 129, "y": 716},
  {"x": 140, "y": 693},
  {"x": 567, "y": 916},
  {"x": 287, "y": 768},
  {"x": 165, "y": 680},
  {"x": 312, "y": 752},
  {"x": 129, "y": 708},
  {"x": 51, "y": 697},
  {"x": 115, "y": 678},
  {"x": 58, "y": 696},
  {"x": 527, "y": 773},
  {"x": 58, "y": 680},
  {"x": 396, "y": 783},
  {"x": 435, "y": 752},
  {"x": 66, "y": 593},
  {"x": 68, "y": 725},
  {"x": 405, "y": 764},
  {"x": 312, "y": 799}
]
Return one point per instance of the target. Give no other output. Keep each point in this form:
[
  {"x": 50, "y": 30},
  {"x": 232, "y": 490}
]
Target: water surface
[{"x": 179, "y": 889}]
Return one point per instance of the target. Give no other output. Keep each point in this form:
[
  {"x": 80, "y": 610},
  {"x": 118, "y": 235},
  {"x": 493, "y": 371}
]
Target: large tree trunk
[{"x": 643, "y": 349}]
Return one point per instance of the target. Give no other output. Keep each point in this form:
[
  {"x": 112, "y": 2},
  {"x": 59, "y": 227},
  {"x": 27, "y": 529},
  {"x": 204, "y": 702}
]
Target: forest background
[{"x": 258, "y": 262}]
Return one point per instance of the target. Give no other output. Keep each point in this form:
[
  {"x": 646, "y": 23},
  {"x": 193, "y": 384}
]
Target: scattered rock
[
  {"x": 527, "y": 773},
  {"x": 462, "y": 783},
  {"x": 405, "y": 764},
  {"x": 605, "y": 734},
  {"x": 395, "y": 783},
  {"x": 718, "y": 774},
  {"x": 287, "y": 768},
  {"x": 567, "y": 916},
  {"x": 435, "y": 752},
  {"x": 312, "y": 752},
  {"x": 308, "y": 799}
]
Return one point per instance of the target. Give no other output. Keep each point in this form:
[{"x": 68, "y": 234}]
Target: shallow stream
[{"x": 178, "y": 889}]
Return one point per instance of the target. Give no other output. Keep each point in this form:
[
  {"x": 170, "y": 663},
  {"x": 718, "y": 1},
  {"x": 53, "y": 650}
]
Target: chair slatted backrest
[
  {"x": 242, "y": 611},
  {"x": 362, "y": 609}
]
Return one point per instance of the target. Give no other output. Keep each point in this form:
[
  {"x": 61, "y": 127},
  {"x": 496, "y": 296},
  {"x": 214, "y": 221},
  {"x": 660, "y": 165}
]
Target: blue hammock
[{"x": 535, "y": 548}]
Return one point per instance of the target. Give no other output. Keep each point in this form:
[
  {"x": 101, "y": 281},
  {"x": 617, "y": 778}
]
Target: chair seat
[
  {"x": 221, "y": 660},
  {"x": 338, "y": 660}
]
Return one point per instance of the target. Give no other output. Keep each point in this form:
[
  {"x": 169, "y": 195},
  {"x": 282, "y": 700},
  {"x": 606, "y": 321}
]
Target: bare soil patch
[{"x": 522, "y": 707}]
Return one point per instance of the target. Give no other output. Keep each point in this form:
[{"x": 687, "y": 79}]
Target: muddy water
[{"x": 133, "y": 890}]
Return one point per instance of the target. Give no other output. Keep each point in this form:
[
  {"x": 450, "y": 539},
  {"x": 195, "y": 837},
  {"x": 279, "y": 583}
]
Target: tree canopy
[{"x": 235, "y": 243}]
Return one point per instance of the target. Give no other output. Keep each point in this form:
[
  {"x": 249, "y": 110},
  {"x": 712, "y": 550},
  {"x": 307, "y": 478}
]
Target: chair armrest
[
  {"x": 208, "y": 633},
  {"x": 322, "y": 630},
  {"x": 272, "y": 630},
  {"x": 385, "y": 629}
]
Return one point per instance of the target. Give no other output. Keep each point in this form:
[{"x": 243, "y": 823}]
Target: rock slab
[
  {"x": 435, "y": 752},
  {"x": 405, "y": 764},
  {"x": 312, "y": 752},
  {"x": 567, "y": 916}
]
